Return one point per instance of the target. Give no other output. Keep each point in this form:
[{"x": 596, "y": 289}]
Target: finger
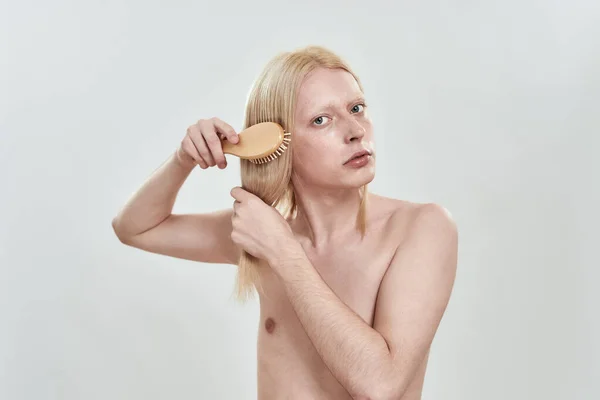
[
  {"x": 201, "y": 146},
  {"x": 239, "y": 194},
  {"x": 235, "y": 194},
  {"x": 226, "y": 130},
  {"x": 203, "y": 164},
  {"x": 190, "y": 149},
  {"x": 214, "y": 144},
  {"x": 222, "y": 137}
]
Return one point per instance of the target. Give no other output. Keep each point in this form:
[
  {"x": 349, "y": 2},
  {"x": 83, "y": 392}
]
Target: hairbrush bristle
[{"x": 278, "y": 152}]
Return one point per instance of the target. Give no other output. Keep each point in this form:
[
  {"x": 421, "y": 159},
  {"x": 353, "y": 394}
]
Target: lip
[{"x": 358, "y": 154}]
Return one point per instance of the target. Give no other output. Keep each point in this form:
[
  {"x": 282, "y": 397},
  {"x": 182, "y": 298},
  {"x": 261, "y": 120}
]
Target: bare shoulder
[{"x": 407, "y": 219}]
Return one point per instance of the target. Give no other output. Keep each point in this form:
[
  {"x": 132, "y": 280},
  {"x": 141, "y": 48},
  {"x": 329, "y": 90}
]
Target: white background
[{"x": 489, "y": 108}]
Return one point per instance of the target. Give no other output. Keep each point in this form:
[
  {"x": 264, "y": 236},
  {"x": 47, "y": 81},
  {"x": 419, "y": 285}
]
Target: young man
[{"x": 342, "y": 316}]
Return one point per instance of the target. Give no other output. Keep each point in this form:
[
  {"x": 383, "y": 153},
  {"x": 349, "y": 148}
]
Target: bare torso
[{"x": 288, "y": 365}]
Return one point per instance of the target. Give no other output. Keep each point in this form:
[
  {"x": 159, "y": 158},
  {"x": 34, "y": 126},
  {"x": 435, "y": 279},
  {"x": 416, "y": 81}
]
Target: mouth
[{"x": 358, "y": 154}]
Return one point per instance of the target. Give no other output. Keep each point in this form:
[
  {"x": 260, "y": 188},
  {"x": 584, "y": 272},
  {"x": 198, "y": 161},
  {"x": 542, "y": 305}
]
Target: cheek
[
  {"x": 368, "y": 129},
  {"x": 369, "y": 136},
  {"x": 313, "y": 157}
]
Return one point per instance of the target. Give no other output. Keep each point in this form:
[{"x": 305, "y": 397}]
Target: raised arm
[{"x": 146, "y": 221}]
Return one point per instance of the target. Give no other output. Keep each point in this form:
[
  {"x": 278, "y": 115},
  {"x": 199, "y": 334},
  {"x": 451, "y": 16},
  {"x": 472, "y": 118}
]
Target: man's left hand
[{"x": 258, "y": 228}]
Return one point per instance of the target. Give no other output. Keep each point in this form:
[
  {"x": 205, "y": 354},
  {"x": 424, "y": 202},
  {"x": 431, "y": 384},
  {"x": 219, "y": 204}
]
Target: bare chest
[
  {"x": 285, "y": 352},
  {"x": 353, "y": 271},
  {"x": 289, "y": 366}
]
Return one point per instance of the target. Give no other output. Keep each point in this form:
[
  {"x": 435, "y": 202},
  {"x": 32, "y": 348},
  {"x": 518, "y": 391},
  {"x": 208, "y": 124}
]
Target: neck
[{"x": 325, "y": 215}]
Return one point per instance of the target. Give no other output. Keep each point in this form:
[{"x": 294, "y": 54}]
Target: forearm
[
  {"x": 356, "y": 354},
  {"x": 153, "y": 202}
]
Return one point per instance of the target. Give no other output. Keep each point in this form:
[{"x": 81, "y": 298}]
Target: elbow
[
  {"x": 389, "y": 383},
  {"x": 376, "y": 394},
  {"x": 380, "y": 391},
  {"x": 123, "y": 238}
]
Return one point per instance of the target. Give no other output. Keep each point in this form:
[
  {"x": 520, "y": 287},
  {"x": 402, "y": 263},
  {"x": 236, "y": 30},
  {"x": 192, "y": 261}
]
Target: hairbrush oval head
[{"x": 259, "y": 143}]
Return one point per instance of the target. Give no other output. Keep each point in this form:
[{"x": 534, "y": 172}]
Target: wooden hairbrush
[{"x": 260, "y": 143}]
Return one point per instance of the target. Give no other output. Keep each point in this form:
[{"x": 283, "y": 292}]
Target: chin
[
  {"x": 361, "y": 177},
  {"x": 345, "y": 179},
  {"x": 365, "y": 174},
  {"x": 369, "y": 178}
]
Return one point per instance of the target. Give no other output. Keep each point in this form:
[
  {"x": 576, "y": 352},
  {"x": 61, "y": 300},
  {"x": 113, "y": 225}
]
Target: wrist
[
  {"x": 183, "y": 159},
  {"x": 288, "y": 251}
]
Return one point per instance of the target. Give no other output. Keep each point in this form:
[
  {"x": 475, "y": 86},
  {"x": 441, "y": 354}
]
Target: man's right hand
[{"x": 203, "y": 144}]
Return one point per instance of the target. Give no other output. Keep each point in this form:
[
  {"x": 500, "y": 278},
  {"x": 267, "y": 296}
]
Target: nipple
[{"x": 270, "y": 325}]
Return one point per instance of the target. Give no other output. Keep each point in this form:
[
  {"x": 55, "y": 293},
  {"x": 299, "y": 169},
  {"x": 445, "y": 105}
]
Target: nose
[{"x": 355, "y": 131}]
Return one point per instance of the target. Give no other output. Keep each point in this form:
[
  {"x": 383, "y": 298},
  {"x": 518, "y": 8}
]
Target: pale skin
[{"x": 341, "y": 317}]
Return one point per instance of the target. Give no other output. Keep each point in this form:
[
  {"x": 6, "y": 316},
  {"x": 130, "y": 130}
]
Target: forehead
[{"x": 326, "y": 86}]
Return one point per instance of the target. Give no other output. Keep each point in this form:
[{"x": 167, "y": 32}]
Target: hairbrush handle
[{"x": 259, "y": 143}]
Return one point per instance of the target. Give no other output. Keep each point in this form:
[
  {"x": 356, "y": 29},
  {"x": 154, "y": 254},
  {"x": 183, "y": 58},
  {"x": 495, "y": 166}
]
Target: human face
[{"x": 331, "y": 124}]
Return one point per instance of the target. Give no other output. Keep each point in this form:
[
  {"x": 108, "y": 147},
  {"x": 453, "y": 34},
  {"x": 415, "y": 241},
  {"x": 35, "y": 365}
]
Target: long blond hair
[{"x": 273, "y": 98}]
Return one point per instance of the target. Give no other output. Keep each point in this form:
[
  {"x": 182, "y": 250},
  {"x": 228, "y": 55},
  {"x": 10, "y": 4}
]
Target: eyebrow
[{"x": 358, "y": 98}]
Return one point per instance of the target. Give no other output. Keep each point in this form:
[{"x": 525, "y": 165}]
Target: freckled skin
[{"x": 270, "y": 325}]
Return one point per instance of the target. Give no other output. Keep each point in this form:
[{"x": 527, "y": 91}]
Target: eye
[
  {"x": 319, "y": 120},
  {"x": 357, "y": 111}
]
